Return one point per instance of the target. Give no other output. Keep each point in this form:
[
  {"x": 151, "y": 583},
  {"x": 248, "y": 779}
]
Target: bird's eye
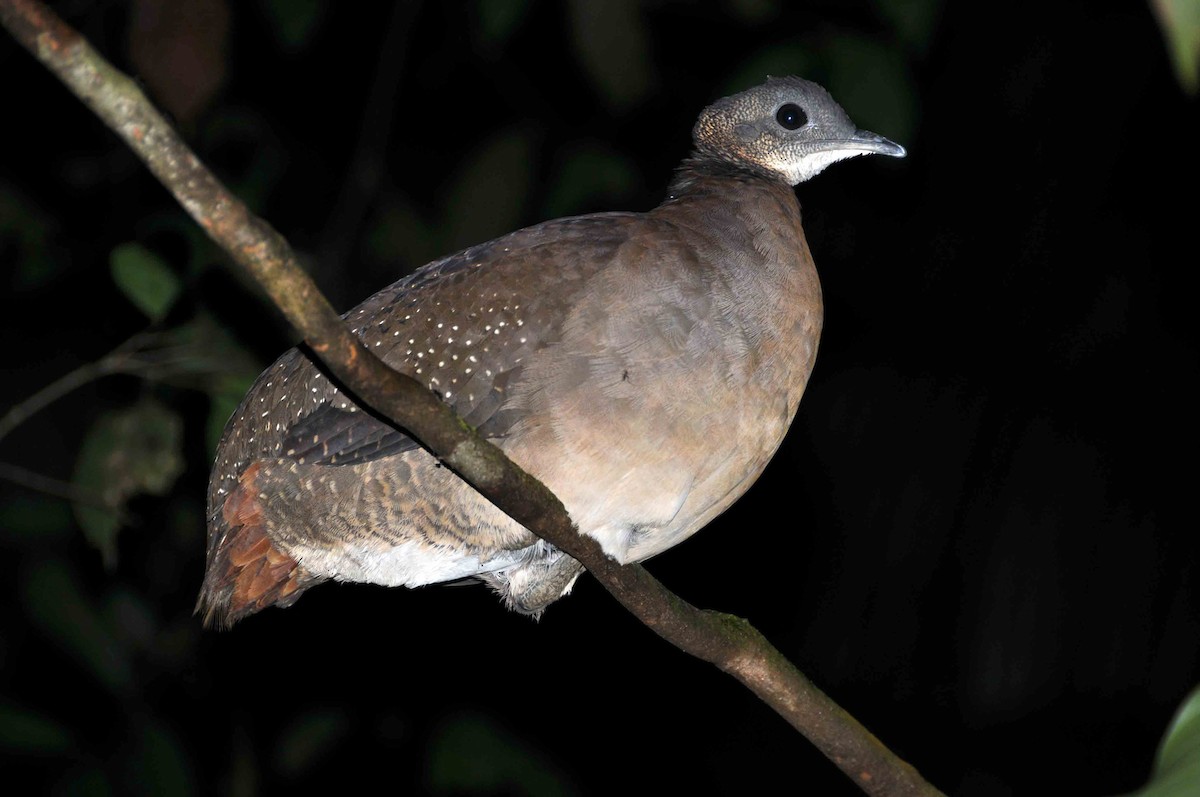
[{"x": 791, "y": 116}]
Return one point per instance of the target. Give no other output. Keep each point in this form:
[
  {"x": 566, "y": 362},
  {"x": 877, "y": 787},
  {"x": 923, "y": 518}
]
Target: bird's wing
[{"x": 466, "y": 326}]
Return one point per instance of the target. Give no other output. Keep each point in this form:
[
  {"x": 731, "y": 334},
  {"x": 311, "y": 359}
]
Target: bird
[{"x": 645, "y": 366}]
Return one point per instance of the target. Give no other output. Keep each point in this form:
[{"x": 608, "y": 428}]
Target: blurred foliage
[
  {"x": 126, "y": 453},
  {"x": 498, "y": 20},
  {"x": 886, "y": 102},
  {"x": 591, "y": 174},
  {"x": 242, "y": 136},
  {"x": 55, "y": 601},
  {"x": 110, "y": 687},
  {"x": 25, "y": 732},
  {"x": 124, "y": 628},
  {"x": 293, "y": 22},
  {"x": 27, "y": 238},
  {"x": 1180, "y": 21},
  {"x": 32, "y": 520},
  {"x": 755, "y": 12},
  {"x": 156, "y": 763},
  {"x": 612, "y": 41},
  {"x": 145, "y": 279},
  {"x": 83, "y": 781},
  {"x": 913, "y": 20},
  {"x": 304, "y": 741},
  {"x": 472, "y": 754},
  {"x": 482, "y": 209},
  {"x": 1177, "y": 765},
  {"x": 179, "y": 51}
]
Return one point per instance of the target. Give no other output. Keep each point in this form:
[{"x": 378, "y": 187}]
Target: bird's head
[{"x": 788, "y": 127}]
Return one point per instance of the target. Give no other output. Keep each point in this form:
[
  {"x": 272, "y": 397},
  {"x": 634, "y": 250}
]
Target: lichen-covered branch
[{"x": 729, "y": 643}]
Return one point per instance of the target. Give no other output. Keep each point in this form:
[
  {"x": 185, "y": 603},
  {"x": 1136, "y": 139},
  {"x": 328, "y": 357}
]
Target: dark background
[{"x": 979, "y": 536}]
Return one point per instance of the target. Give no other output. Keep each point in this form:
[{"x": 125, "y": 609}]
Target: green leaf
[
  {"x": 25, "y": 732},
  {"x": 145, "y": 279},
  {"x": 127, "y": 453},
  {"x": 1181, "y": 744},
  {"x": 1180, "y": 22},
  {"x": 1177, "y": 766}
]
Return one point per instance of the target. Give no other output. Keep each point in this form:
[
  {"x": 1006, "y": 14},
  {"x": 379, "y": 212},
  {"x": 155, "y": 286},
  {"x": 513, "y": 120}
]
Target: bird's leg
[{"x": 531, "y": 587}]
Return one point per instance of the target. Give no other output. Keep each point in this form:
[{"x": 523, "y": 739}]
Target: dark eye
[{"x": 791, "y": 116}]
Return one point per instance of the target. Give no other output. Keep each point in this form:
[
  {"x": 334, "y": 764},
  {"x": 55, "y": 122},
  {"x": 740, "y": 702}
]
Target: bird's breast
[{"x": 674, "y": 382}]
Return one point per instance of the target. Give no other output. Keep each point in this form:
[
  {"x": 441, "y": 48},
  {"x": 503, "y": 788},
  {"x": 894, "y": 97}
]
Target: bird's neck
[
  {"x": 732, "y": 196},
  {"x": 700, "y": 172},
  {"x": 736, "y": 207}
]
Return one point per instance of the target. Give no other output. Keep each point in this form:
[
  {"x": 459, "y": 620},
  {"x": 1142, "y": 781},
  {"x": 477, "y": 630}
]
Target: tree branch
[
  {"x": 124, "y": 359},
  {"x": 728, "y": 642},
  {"x": 59, "y": 489}
]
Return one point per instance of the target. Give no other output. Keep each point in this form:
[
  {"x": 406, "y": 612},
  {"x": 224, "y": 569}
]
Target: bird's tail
[{"x": 245, "y": 572}]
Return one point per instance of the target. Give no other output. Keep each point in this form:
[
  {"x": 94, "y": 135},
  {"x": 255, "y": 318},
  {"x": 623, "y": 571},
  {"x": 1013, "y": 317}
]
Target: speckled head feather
[{"x": 788, "y": 127}]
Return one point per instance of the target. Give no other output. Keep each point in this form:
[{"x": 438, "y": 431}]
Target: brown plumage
[
  {"x": 248, "y": 573},
  {"x": 645, "y": 366}
]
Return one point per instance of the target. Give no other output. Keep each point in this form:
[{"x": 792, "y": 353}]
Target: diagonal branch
[{"x": 728, "y": 642}]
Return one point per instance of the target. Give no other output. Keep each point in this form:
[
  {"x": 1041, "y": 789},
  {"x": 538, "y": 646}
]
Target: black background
[{"x": 979, "y": 536}]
